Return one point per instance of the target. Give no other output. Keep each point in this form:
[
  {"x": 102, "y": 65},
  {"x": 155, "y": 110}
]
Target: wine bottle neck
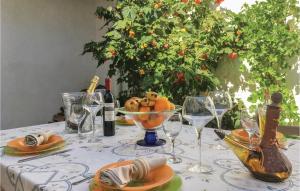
[
  {"x": 108, "y": 84},
  {"x": 93, "y": 85}
]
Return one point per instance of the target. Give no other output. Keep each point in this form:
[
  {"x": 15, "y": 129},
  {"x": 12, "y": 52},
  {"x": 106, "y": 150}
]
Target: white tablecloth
[{"x": 59, "y": 171}]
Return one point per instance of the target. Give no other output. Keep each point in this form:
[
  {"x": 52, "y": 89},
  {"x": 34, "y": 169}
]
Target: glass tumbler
[{"x": 73, "y": 121}]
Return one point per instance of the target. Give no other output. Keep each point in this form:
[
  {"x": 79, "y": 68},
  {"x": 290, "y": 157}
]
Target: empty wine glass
[
  {"x": 71, "y": 122},
  {"x": 198, "y": 111},
  {"x": 117, "y": 104},
  {"x": 172, "y": 128},
  {"x": 78, "y": 114},
  {"x": 222, "y": 102},
  {"x": 250, "y": 125},
  {"x": 92, "y": 103}
]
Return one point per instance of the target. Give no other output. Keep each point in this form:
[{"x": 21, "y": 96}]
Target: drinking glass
[
  {"x": 172, "y": 128},
  {"x": 222, "y": 102},
  {"x": 117, "y": 104},
  {"x": 250, "y": 125},
  {"x": 71, "y": 100},
  {"x": 198, "y": 111},
  {"x": 92, "y": 103},
  {"x": 78, "y": 115}
]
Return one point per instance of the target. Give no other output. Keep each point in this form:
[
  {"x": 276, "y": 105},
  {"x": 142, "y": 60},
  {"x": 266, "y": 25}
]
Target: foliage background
[
  {"x": 271, "y": 37},
  {"x": 174, "y": 47},
  {"x": 168, "y": 46}
]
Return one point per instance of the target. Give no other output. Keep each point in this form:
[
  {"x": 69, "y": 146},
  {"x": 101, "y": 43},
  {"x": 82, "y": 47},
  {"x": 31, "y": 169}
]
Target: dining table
[{"x": 74, "y": 168}]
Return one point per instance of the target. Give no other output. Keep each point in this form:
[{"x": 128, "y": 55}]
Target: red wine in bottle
[{"x": 108, "y": 110}]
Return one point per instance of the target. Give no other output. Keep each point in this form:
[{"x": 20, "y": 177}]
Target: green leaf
[
  {"x": 121, "y": 24},
  {"x": 113, "y": 35}
]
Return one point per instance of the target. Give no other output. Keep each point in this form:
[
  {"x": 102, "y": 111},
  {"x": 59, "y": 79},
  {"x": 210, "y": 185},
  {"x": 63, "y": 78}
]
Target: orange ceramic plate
[
  {"x": 19, "y": 145},
  {"x": 156, "y": 178},
  {"x": 14, "y": 152},
  {"x": 242, "y": 135}
]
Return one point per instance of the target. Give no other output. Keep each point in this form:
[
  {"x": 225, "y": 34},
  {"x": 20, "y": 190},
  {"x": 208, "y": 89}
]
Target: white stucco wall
[
  {"x": 0, "y": 63},
  {"x": 41, "y": 43}
]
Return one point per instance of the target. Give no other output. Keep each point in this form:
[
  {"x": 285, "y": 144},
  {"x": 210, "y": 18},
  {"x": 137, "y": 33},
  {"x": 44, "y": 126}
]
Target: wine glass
[
  {"x": 198, "y": 111},
  {"x": 172, "y": 128},
  {"x": 117, "y": 104},
  {"x": 92, "y": 103},
  {"x": 250, "y": 125},
  {"x": 77, "y": 116},
  {"x": 222, "y": 102}
]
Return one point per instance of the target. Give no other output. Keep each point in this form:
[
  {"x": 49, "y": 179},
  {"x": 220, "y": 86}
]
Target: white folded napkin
[
  {"x": 36, "y": 139},
  {"x": 139, "y": 169}
]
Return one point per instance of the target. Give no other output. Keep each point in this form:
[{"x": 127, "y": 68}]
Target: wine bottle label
[
  {"x": 109, "y": 105},
  {"x": 109, "y": 114}
]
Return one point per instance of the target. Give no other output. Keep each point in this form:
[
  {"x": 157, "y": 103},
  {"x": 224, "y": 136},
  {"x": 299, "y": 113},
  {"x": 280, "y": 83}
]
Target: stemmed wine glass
[
  {"x": 250, "y": 125},
  {"x": 172, "y": 128},
  {"x": 92, "y": 103},
  {"x": 222, "y": 102},
  {"x": 77, "y": 116},
  {"x": 198, "y": 111}
]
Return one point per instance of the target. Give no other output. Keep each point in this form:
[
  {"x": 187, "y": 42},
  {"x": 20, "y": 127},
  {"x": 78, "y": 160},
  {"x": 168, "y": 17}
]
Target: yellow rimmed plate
[{"x": 18, "y": 147}]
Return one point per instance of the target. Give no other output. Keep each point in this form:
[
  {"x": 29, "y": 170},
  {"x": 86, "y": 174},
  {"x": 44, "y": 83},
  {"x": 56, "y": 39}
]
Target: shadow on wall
[
  {"x": 234, "y": 80},
  {"x": 293, "y": 76}
]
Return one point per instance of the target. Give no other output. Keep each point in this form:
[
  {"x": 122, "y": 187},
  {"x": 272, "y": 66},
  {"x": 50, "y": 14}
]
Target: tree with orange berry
[{"x": 170, "y": 41}]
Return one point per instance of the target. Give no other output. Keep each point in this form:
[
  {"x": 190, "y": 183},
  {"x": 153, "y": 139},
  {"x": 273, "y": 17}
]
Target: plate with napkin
[
  {"x": 34, "y": 143},
  {"x": 133, "y": 175}
]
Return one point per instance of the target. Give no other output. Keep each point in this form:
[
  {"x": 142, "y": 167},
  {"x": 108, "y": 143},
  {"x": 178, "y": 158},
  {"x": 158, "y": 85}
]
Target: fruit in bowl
[{"x": 149, "y": 112}]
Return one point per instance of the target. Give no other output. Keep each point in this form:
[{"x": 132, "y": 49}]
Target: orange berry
[
  {"x": 204, "y": 56},
  {"x": 157, "y": 5},
  {"x": 232, "y": 55},
  {"x": 218, "y": 1},
  {"x": 154, "y": 43},
  {"x": 131, "y": 34},
  {"x": 181, "y": 53},
  {"x": 180, "y": 76},
  {"x": 141, "y": 72}
]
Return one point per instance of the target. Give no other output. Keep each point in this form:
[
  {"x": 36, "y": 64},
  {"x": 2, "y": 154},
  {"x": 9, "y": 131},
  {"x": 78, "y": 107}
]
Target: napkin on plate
[
  {"x": 139, "y": 169},
  {"x": 36, "y": 139}
]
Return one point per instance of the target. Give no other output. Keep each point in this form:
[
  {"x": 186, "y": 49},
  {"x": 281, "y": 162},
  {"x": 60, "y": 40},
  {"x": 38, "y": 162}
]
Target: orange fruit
[
  {"x": 154, "y": 121},
  {"x": 132, "y": 105},
  {"x": 144, "y": 117},
  {"x": 147, "y": 102},
  {"x": 152, "y": 96},
  {"x": 172, "y": 106},
  {"x": 162, "y": 104}
]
